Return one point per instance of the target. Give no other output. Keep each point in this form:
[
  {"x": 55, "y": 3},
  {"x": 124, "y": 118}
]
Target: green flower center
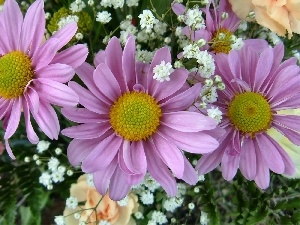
[
  {"x": 221, "y": 41},
  {"x": 135, "y": 116},
  {"x": 15, "y": 73},
  {"x": 250, "y": 113}
]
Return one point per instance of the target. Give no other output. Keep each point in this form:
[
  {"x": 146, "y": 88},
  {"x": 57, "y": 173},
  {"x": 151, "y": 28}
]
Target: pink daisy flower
[
  {"x": 218, "y": 30},
  {"x": 258, "y": 85},
  {"x": 32, "y": 72},
  {"x": 132, "y": 123}
]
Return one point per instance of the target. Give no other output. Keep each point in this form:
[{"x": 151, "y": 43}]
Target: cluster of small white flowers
[
  {"x": 201, "y": 178},
  {"x": 103, "y": 17},
  {"x": 147, "y": 197},
  {"x": 191, "y": 51},
  {"x": 90, "y": 180},
  {"x": 131, "y": 3},
  {"x": 203, "y": 219},
  {"x": 66, "y": 20},
  {"x": 104, "y": 222},
  {"x": 117, "y": 3},
  {"x": 274, "y": 38},
  {"x": 194, "y": 19},
  {"x": 206, "y": 64},
  {"x": 209, "y": 94},
  {"x": 163, "y": 71},
  {"x": 47, "y": 15},
  {"x": 147, "y": 20},
  {"x": 160, "y": 28},
  {"x": 127, "y": 28},
  {"x": 77, "y": 6},
  {"x": 144, "y": 55},
  {"x": 243, "y": 25},
  {"x": 191, "y": 205},
  {"x": 215, "y": 113},
  {"x": 106, "y": 3},
  {"x": 72, "y": 202},
  {"x": 296, "y": 54},
  {"x": 42, "y": 146},
  {"x": 158, "y": 217},
  {"x": 150, "y": 183},
  {"x": 236, "y": 43},
  {"x": 172, "y": 203},
  {"x": 123, "y": 202},
  {"x": 53, "y": 164},
  {"x": 59, "y": 220},
  {"x": 143, "y": 36},
  {"x": 138, "y": 215}
]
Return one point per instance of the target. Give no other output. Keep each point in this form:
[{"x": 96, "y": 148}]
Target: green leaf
[{"x": 26, "y": 215}]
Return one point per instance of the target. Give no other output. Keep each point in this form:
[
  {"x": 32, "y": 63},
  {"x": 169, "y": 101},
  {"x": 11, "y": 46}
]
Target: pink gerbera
[
  {"x": 132, "y": 123},
  {"x": 32, "y": 72},
  {"x": 258, "y": 85}
]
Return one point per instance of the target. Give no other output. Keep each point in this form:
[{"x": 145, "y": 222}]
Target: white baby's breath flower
[
  {"x": 159, "y": 217},
  {"x": 77, "y": 6},
  {"x": 66, "y": 20},
  {"x": 59, "y": 220},
  {"x": 215, "y": 113},
  {"x": 72, "y": 202},
  {"x": 147, "y": 20},
  {"x": 103, "y": 17},
  {"x": 124, "y": 201},
  {"x": 203, "y": 219},
  {"x": 163, "y": 71},
  {"x": 45, "y": 179},
  {"x": 42, "y": 146},
  {"x": 194, "y": 19},
  {"x": 147, "y": 197},
  {"x": 206, "y": 64},
  {"x": 53, "y": 163},
  {"x": 131, "y": 3}
]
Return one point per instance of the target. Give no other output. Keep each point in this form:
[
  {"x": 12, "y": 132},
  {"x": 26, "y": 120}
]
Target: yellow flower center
[
  {"x": 221, "y": 41},
  {"x": 15, "y": 73},
  {"x": 250, "y": 113},
  {"x": 135, "y": 116},
  {"x": 1, "y": 2}
]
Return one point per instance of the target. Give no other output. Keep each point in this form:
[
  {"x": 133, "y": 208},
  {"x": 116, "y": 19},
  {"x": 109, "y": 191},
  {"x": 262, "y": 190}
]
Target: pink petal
[
  {"x": 8, "y": 149},
  {"x": 47, "y": 120},
  {"x": 106, "y": 82},
  {"x": 32, "y": 99},
  {"x": 87, "y": 130},
  {"x": 73, "y": 56},
  {"x": 81, "y": 115},
  {"x": 183, "y": 100},
  {"x": 125, "y": 160},
  {"x": 99, "y": 58},
  {"x": 128, "y": 62},
  {"x": 56, "y": 93},
  {"x": 33, "y": 28},
  {"x": 262, "y": 178},
  {"x": 229, "y": 165},
  {"x": 78, "y": 150},
  {"x": 65, "y": 34},
  {"x": 194, "y": 142},
  {"x": 270, "y": 154},
  {"x": 248, "y": 159},
  {"x": 102, "y": 178},
  {"x": 31, "y": 135},
  {"x": 113, "y": 57},
  {"x": 189, "y": 173},
  {"x": 178, "y": 9},
  {"x": 5, "y": 107},
  {"x": 61, "y": 73},
  {"x": 14, "y": 118},
  {"x": 290, "y": 121},
  {"x": 170, "y": 155},
  {"x": 88, "y": 100},
  {"x": 159, "y": 171},
  {"x": 188, "y": 121},
  {"x": 104, "y": 152},
  {"x": 293, "y": 136},
  {"x": 118, "y": 187}
]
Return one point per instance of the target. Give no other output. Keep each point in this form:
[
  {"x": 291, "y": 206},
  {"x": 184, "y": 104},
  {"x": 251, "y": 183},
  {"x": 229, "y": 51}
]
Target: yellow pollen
[
  {"x": 135, "y": 116},
  {"x": 250, "y": 113},
  {"x": 15, "y": 73},
  {"x": 221, "y": 41}
]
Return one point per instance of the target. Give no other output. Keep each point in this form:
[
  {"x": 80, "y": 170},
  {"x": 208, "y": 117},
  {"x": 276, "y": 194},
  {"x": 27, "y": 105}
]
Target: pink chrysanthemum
[
  {"x": 132, "y": 123},
  {"x": 257, "y": 86},
  {"x": 32, "y": 72}
]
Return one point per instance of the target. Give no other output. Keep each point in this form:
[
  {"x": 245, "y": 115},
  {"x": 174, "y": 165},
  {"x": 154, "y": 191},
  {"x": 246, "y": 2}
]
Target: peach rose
[
  {"x": 277, "y": 15},
  {"x": 107, "y": 209}
]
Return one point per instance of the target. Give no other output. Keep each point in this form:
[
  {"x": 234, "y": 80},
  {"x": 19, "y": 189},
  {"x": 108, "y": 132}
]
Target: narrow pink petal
[
  {"x": 159, "y": 171},
  {"x": 14, "y": 118},
  {"x": 99, "y": 58},
  {"x": 270, "y": 154},
  {"x": 13, "y": 18},
  {"x": 47, "y": 120},
  {"x": 61, "y": 73},
  {"x": 73, "y": 56},
  {"x": 65, "y": 34},
  {"x": 104, "y": 152},
  {"x": 142, "y": 71},
  {"x": 229, "y": 165},
  {"x": 189, "y": 173},
  {"x": 168, "y": 88},
  {"x": 124, "y": 159},
  {"x": 178, "y": 8},
  {"x": 194, "y": 142},
  {"x": 118, "y": 187},
  {"x": 4, "y": 40},
  {"x": 5, "y": 107},
  {"x": 88, "y": 100},
  {"x": 32, "y": 99},
  {"x": 183, "y": 100},
  {"x": 33, "y": 28},
  {"x": 290, "y": 121},
  {"x": 82, "y": 115},
  {"x": 293, "y": 136},
  {"x": 234, "y": 64},
  {"x": 79, "y": 149},
  {"x": 248, "y": 159},
  {"x": 87, "y": 130},
  {"x": 262, "y": 178},
  {"x": 128, "y": 62},
  {"x": 102, "y": 177},
  {"x": 56, "y": 93},
  {"x": 113, "y": 57},
  {"x": 106, "y": 82},
  {"x": 8, "y": 149},
  {"x": 288, "y": 103},
  {"x": 162, "y": 54},
  {"x": 44, "y": 55},
  {"x": 188, "y": 121},
  {"x": 289, "y": 166},
  {"x": 170, "y": 154},
  {"x": 31, "y": 135}
]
